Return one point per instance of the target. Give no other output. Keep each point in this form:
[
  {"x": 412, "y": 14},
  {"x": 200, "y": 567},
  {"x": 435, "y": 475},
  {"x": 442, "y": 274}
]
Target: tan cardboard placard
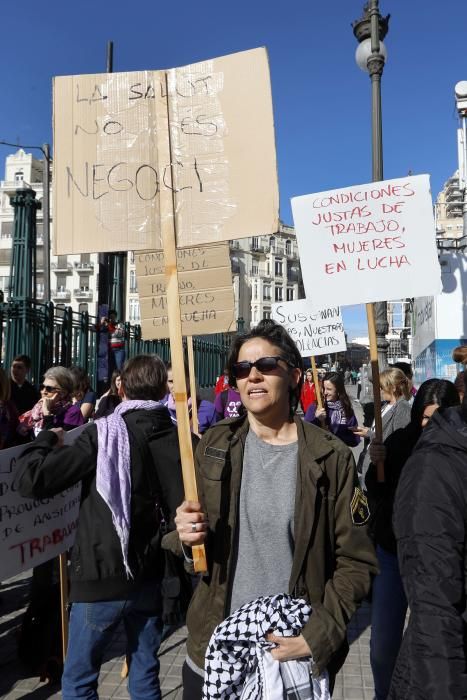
[
  {"x": 205, "y": 286},
  {"x": 107, "y": 174}
]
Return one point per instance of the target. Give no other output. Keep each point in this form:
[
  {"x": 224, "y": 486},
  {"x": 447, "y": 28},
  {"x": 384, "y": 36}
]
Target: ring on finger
[{"x": 193, "y": 527}]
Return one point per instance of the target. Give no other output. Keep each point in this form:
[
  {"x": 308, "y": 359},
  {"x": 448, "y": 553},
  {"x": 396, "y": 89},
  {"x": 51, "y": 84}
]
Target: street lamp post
[{"x": 370, "y": 31}]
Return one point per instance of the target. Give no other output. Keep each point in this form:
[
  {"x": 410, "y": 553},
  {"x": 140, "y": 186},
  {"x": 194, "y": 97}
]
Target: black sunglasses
[
  {"x": 241, "y": 370},
  {"x": 49, "y": 389}
]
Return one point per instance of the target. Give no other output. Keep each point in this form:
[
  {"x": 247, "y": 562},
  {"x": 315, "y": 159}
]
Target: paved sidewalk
[{"x": 353, "y": 682}]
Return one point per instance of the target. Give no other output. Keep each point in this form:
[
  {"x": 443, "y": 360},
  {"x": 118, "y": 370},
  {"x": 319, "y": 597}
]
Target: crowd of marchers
[{"x": 296, "y": 534}]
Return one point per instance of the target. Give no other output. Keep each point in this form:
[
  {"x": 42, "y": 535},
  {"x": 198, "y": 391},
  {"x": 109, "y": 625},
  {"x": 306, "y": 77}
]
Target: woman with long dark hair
[
  {"x": 337, "y": 415},
  {"x": 389, "y": 603}
]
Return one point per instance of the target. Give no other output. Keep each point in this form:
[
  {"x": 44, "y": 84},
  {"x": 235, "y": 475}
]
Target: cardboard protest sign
[
  {"x": 110, "y": 167},
  {"x": 315, "y": 331},
  {"x": 368, "y": 243},
  {"x": 33, "y": 531},
  {"x": 205, "y": 291}
]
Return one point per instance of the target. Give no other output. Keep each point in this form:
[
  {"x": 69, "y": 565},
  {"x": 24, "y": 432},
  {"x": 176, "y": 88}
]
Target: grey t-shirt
[{"x": 265, "y": 536}]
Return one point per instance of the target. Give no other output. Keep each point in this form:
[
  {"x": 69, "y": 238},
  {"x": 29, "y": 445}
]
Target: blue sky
[{"x": 321, "y": 99}]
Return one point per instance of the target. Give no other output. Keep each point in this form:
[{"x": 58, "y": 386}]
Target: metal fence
[{"x": 60, "y": 336}]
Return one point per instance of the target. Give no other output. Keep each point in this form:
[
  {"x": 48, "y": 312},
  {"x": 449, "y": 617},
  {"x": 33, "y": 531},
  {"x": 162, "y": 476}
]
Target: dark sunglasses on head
[
  {"x": 49, "y": 389},
  {"x": 241, "y": 370}
]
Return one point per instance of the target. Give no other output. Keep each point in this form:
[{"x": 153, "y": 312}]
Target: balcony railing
[
  {"x": 84, "y": 266},
  {"x": 62, "y": 294},
  {"x": 61, "y": 267},
  {"x": 83, "y": 294}
]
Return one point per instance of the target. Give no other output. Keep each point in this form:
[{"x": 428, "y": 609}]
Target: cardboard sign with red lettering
[
  {"x": 366, "y": 243},
  {"x": 33, "y": 531}
]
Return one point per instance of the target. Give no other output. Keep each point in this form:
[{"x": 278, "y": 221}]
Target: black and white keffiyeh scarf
[{"x": 238, "y": 663}]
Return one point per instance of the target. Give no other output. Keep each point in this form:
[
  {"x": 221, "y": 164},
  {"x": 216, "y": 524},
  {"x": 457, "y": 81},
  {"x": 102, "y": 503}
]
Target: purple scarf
[{"x": 113, "y": 475}]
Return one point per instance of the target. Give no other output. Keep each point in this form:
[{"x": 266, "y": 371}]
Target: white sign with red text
[
  {"x": 33, "y": 531},
  {"x": 366, "y": 243}
]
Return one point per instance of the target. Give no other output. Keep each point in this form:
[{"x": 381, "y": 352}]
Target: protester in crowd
[
  {"x": 459, "y": 383},
  {"x": 389, "y": 603},
  {"x": 8, "y": 414},
  {"x": 110, "y": 400},
  {"x": 347, "y": 376},
  {"x": 83, "y": 394},
  {"x": 459, "y": 354},
  {"x": 129, "y": 466},
  {"x": 55, "y": 408},
  {"x": 430, "y": 527},
  {"x": 116, "y": 335},
  {"x": 308, "y": 393},
  {"x": 359, "y": 384},
  {"x": 337, "y": 415},
  {"x": 23, "y": 394},
  {"x": 353, "y": 376},
  {"x": 280, "y": 511},
  {"x": 406, "y": 368},
  {"x": 222, "y": 382},
  {"x": 395, "y": 409},
  {"x": 228, "y": 404},
  {"x": 206, "y": 410}
]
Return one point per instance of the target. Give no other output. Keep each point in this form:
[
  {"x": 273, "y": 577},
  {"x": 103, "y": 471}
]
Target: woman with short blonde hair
[{"x": 393, "y": 381}]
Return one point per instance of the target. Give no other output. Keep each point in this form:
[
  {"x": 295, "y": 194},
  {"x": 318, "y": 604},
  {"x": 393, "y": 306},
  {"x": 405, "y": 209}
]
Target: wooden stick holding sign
[
  {"x": 64, "y": 601},
  {"x": 191, "y": 367},
  {"x": 370, "y": 312},
  {"x": 167, "y": 209},
  {"x": 319, "y": 398}
]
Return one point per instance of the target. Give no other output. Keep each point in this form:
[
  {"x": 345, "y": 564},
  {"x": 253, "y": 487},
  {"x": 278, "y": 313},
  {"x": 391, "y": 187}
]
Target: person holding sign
[
  {"x": 280, "y": 511},
  {"x": 337, "y": 415},
  {"x": 395, "y": 412},
  {"x": 130, "y": 470}
]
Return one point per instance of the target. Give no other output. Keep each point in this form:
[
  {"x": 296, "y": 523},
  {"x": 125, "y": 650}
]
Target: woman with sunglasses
[
  {"x": 55, "y": 408},
  {"x": 280, "y": 511}
]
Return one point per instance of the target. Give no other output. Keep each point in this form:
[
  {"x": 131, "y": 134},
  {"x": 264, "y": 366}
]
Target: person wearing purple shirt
[
  {"x": 206, "y": 411},
  {"x": 337, "y": 416},
  {"x": 55, "y": 408},
  {"x": 228, "y": 404}
]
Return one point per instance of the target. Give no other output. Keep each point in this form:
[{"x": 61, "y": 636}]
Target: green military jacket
[{"x": 334, "y": 558}]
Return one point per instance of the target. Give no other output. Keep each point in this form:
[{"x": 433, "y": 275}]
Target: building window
[
  {"x": 85, "y": 257},
  {"x": 278, "y": 294},
  {"x": 272, "y": 243},
  {"x": 7, "y": 229},
  {"x": 289, "y": 293},
  {"x": 268, "y": 269},
  {"x": 134, "y": 310},
  {"x": 84, "y": 283},
  {"x": 254, "y": 269},
  {"x": 267, "y": 293},
  {"x": 255, "y": 242},
  {"x": 278, "y": 267},
  {"x": 62, "y": 262},
  {"x": 61, "y": 283},
  {"x": 133, "y": 282},
  {"x": 82, "y": 308},
  {"x": 19, "y": 177},
  {"x": 266, "y": 315},
  {"x": 288, "y": 247}
]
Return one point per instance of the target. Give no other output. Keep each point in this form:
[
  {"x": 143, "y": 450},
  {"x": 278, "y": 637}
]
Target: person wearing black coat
[
  {"x": 430, "y": 525},
  {"x": 389, "y": 602},
  {"x": 116, "y": 565}
]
